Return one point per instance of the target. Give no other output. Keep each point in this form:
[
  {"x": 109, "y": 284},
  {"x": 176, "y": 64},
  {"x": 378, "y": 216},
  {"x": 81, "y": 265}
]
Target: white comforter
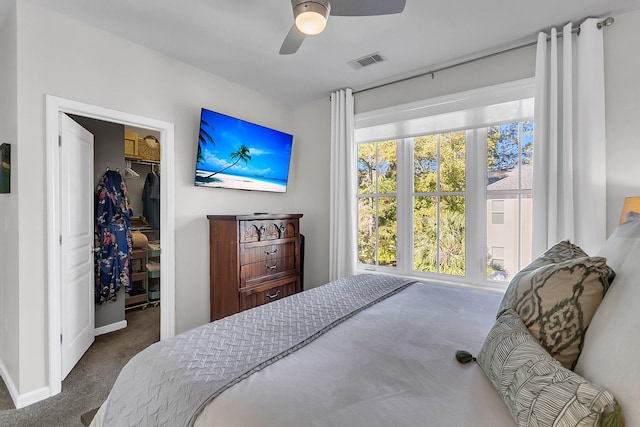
[{"x": 390, "y": 365}]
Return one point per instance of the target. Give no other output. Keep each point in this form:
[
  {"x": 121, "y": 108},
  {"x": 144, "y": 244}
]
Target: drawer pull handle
[
  {"x": 273, "y": 252},
  {"x": 271, "y": 267},
  {"x": 274, "y": 295}
]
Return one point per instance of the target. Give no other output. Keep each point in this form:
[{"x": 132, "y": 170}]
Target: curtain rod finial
[{"x": 606, "y": 22}]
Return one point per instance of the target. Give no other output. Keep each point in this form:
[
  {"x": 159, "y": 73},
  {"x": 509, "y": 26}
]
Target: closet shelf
[
  {"x": 141, "y": 161},
  {"x": 139, "y": 280},
  {"x": 153, "y": 271},
  {"x": 153, "y": 253},
  {"x": 138, "y": 276}
]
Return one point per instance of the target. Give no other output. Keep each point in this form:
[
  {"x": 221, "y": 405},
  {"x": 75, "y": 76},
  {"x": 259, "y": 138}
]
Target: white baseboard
[
  {"x": 22, "y": 400},
  {"x": 31, "y": 397},
  {"x": 26, "y": 399},
  {"x": 13, "y": 392},
  {"x": 112, "y": 327}
]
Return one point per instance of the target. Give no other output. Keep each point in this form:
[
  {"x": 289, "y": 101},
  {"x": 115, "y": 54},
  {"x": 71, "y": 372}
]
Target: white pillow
[
  {"x": 619, "y": 246},
  {"x": 612, "y": 342}
]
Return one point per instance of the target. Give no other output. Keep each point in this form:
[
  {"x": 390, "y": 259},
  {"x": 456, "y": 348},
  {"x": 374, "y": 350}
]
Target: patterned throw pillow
[
  {"x": 536, "y": 388},
  {"x": 561, "y": 251},
  {"x": 557, "y": 301}
]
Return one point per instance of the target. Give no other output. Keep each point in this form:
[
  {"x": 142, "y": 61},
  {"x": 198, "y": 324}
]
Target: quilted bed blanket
[{"x": 170, "y": 382}]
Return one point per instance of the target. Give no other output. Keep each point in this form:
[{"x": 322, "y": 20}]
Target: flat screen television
[{"x": 237, "y": 154}]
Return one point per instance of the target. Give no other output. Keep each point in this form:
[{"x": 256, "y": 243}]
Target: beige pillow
[
  {"x": 557, "y": 301},
  {"x": 561, "y": 251}
]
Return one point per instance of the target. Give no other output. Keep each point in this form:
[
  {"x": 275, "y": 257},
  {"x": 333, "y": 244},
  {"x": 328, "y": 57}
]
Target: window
[
  {"x": 509, "y": 192},
  {"x": 439, "y": 181},
  {"x": 497, "y": 212},
  {"x": 377, "y": 203},
  {"x": 447, "y": 193},
  {"x": 496, "y": 264}
]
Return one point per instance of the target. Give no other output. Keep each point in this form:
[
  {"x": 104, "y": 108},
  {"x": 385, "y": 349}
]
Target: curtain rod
[{"x": 601, "y": 24}]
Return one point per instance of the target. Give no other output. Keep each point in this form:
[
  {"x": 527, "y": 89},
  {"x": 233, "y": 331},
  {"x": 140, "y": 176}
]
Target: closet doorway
[
  {"x": 133, "y": 156},
  {"x": 55, "y": 107}
]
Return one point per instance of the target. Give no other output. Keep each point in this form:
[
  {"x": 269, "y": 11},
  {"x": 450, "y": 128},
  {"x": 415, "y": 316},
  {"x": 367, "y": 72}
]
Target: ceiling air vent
[{"x": 365, "y": 61}]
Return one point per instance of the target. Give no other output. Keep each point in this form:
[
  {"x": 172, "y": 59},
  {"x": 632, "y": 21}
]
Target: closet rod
[
  {"x": 601, "y": 24},
  {"x": 144, "y": 162}
]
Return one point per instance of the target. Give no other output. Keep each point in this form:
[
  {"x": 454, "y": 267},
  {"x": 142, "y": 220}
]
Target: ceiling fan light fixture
[{"x": 311, "y": 17}]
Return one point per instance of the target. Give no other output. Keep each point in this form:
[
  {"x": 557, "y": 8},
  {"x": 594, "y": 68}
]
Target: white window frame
[{"x": 472, "y": 111}]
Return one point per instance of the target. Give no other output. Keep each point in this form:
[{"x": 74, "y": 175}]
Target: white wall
[
  {"x": 9, "y": 242},
  {"x": 68, "y": 59},
  {"x": 622, "y": 101},
  {"x": 312, "y": 158},
  {"x": 511, "y": 66}
]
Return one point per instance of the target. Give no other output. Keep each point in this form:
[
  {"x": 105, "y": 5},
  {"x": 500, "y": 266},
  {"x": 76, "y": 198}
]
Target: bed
[{"x": 376, "y": 350}]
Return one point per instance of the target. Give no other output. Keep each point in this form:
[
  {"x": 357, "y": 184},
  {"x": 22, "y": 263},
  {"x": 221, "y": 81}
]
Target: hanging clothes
[
  {"x": 151, "y": 199},
  {"x": 113, "y": 237}
]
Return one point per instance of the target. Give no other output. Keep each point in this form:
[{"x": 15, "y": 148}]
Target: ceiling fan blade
[
  {"x": 292, "y": 42},
  {"x": 366, "y": 7}
]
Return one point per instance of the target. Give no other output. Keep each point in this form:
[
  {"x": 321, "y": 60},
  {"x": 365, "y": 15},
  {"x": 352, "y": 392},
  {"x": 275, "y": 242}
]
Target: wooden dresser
[{"x": 253, "y": 260}]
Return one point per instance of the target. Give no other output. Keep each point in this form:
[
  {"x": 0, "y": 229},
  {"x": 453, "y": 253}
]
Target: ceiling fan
[{"x": 311, "y": 16}]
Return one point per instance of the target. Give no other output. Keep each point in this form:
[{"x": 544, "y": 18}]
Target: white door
[{"x": 76, "y": 247}]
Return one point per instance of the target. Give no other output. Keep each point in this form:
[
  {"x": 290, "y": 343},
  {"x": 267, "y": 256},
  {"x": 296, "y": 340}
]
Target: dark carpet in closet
[{"x": 88, "y": 384}]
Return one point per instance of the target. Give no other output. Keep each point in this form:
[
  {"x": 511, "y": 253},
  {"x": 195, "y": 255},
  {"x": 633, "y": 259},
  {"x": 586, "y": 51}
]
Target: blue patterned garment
[{"x": 113, "y": 237}]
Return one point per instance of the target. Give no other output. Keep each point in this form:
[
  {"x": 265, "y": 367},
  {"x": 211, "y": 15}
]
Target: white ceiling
[{"x": 239, "y": 40}]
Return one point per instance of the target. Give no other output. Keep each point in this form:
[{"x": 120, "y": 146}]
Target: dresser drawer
[
  {"x": 266, "y": 253},
  {"x": 271, "y": 291},
  {"x": 268, "y": 229},
  {"x": 267, "y": 269}
]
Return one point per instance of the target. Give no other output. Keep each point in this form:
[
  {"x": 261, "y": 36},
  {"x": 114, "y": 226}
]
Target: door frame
[{"x": 55, "y": 106}]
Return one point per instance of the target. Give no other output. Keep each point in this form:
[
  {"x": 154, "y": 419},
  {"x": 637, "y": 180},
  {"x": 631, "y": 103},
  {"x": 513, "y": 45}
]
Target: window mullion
[
  {"x": 377, "y": 208},
  {"x": 438, "y": 198},
  {"x": 519, "y": 231},
  {"x": 476, "y": 204},
  {"x": 481, "y": 192},
  {"x": 404, "y": 248}
]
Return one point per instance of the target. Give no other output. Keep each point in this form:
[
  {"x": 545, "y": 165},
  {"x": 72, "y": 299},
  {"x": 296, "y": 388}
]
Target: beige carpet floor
[{"x": 88, "y": 384}]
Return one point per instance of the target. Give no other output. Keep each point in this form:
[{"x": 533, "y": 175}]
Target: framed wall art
[{"x": 5, "y": 168}]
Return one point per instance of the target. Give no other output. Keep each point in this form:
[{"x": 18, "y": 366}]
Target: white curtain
[
  {"x": 569, "y": 175},
  {"x": 342, "y": 217}
]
